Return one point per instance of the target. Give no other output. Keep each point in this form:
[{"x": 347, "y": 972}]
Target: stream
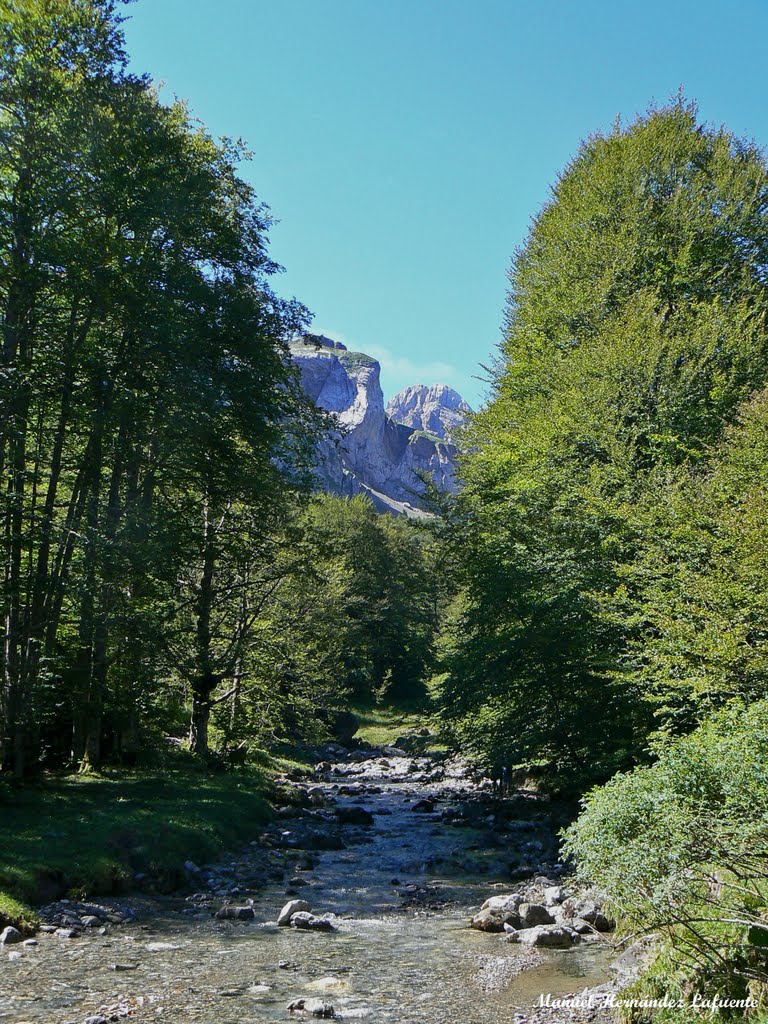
[{"x": 402, "y": 888}]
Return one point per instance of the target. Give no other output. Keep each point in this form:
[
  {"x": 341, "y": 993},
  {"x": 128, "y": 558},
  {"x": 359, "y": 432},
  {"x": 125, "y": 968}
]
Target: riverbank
[{"x": 100, "y": 835}]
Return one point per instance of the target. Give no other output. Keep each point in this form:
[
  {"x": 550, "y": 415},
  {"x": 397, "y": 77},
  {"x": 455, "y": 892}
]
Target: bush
[{"x": 681, "y": 849}]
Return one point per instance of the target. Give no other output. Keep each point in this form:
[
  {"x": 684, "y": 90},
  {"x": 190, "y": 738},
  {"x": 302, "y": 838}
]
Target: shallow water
[{"x": 383, "y": 963}]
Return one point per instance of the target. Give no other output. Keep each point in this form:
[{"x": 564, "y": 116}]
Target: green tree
[{"x": 635, "y": 327}]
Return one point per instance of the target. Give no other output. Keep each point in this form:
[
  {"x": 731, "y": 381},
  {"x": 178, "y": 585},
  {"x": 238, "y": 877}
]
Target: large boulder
[
  {"x": 534, "y": 914},
  {"x": 308, "y": 922},
  {"x": 552, "y": 936},
  {"x": 10, "y": 935},
  {"x": 292, "y": 907}
]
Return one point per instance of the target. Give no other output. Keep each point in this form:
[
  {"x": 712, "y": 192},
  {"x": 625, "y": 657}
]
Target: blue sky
[{"x": 403, "y": 145}]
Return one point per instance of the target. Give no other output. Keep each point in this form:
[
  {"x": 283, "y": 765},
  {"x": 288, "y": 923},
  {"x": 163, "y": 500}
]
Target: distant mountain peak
[
  {"x": 434, "y": 408},
  {"x": 385, "y": 453}
]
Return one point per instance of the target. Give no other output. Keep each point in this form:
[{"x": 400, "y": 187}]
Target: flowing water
[{"x": 402, "y": 951}]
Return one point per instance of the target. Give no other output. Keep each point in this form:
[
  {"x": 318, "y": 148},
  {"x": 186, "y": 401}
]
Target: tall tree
[{"x": 635, "y": 326}]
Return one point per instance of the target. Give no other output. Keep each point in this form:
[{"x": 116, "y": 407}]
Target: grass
[
  {"x": 381, "y": 726},
  {"x": 89, "y": 835}
]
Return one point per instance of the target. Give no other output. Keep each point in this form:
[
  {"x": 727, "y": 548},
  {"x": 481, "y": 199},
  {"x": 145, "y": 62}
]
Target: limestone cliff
[{"x": 385, "y": 453}]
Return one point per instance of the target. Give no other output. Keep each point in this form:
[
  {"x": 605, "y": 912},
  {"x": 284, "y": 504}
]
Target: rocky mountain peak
[{"x": 434, "y": 408}]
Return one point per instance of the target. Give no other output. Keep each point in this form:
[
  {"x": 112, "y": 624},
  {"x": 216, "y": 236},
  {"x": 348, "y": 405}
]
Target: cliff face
[{"x": 382, "y": 452}]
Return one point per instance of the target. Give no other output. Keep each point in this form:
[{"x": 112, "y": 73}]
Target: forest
[{"x": 589, "y": 611}]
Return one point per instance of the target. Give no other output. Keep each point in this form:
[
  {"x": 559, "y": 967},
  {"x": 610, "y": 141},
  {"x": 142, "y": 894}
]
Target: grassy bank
[
  {"x": 86, "y": 836},
  {"x": 383, "y": 725}
]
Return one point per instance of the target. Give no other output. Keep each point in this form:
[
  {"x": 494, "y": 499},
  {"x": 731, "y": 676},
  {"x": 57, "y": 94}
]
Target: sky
[{"x": 404, "y": 145}]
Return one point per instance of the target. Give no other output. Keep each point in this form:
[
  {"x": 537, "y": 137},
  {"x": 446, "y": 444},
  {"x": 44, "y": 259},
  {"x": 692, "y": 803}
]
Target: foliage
[
  {"x": 681, "y": 849},
  {"x": 635, "y": 328}
]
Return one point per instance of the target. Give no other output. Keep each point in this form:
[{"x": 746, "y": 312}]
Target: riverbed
[{"x": 401, "y": 891}]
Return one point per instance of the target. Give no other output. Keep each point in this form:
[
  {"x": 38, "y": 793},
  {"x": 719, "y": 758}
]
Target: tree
[{"x": 635, "y": 327}]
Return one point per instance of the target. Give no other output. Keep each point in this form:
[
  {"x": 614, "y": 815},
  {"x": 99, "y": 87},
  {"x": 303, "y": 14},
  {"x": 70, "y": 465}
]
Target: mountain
[
  {"x": 435, "y": 408},
  {"x": 385, "y": 453}
]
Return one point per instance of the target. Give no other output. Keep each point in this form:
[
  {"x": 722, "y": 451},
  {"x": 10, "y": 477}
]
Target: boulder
[
  {"x": 305, "y": 921},
  {"x": 10, "y": 935},
  {"x": 423, "y": 806},
  {"x": 534, "y": 914},
  {"x": 489, "y": 920},
  {"x": 354, "y": 816},
  {"x": 292, "y": 907},
  {"x": 552, "y": 936}
]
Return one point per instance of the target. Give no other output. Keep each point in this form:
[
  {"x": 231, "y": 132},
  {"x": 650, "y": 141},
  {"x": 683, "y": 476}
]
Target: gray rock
[
  {"x": 319, "y": 1008},
  {"x": 552, "y": 936},
  {"x": 495, "y": 920},
  {"x": 31, "y": 942},
  {"x": 96, "y": 1018},
  {"x": 292, "y": 907},
  {"x": 533, "y": 914},
  {"x": 67, "y": 933},
  {"x": 90, "y": 921},
  {"x": 305, "y": 921},
  {"x": 10, "y": 935}
]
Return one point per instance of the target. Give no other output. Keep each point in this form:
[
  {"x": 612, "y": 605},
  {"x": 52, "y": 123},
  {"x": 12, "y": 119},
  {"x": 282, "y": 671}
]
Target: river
[{"x": 402, "y": 888}]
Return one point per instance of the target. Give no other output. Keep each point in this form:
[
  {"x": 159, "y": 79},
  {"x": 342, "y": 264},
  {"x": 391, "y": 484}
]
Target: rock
[
  {"x": 90, "y": 921},
  {"x": 67, "y": 933},
  {"x": 15, "y": 954},
  {"x": 555, "y": 894},
  {"x": 489, "y": 920},
  {"x": 96, "y": 1018},
  {"x": 10, "y": 935},
  {"x": 123, "y": 967},
  {"x": 533, "y": 914},
  {"x": 372, "y": 454},
  {"x": 292, "y": 907},
  {"x": 553, "y": 936},
  {"x": 507, "y": 902},
  {"x": 191, "y": 867},
  {"x": 31, "y": 942},
  {"x": 319, "y": 1008},
  {"x": 235, "y": 914},
  {"x": 423, "y": 806},
  {"x": 354, "y": 816},
  {"x": 305, "y": 921}
]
